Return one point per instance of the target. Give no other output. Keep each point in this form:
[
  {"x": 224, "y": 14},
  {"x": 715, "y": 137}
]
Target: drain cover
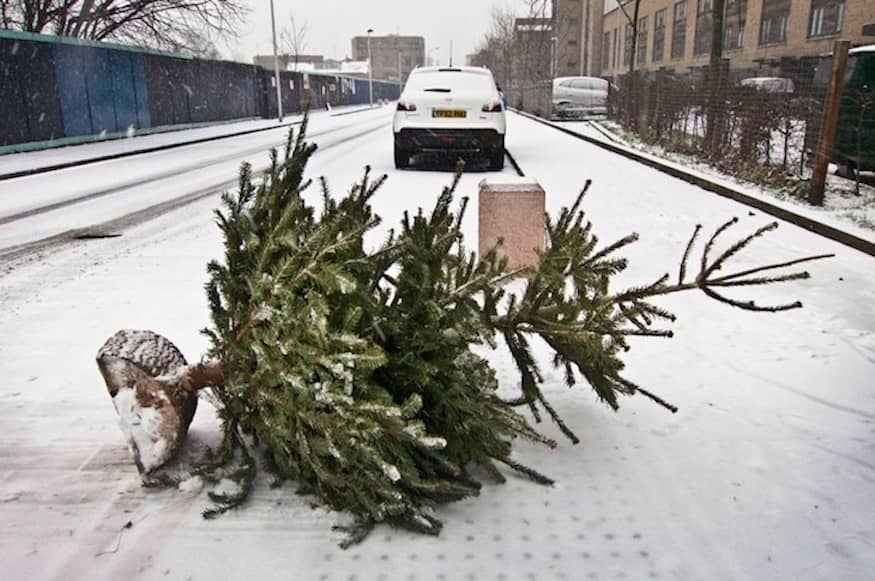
[{"x": 95, "y": 235}]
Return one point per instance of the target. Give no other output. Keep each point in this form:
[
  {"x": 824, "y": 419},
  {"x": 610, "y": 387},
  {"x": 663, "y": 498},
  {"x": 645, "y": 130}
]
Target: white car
[
  {"x": 579, "y": 97},
  {"x": 769, "y": 84},
  {"x": 455, "y": 110}
]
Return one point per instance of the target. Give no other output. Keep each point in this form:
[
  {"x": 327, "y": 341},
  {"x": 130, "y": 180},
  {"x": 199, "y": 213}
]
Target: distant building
[
  {"x": 533, "y": 39},
  {"x": 314, "y": 63},
  {"x": 392, "y": 56},
  {"x": 578, "y": 36},
  {"x": 287, "y": 61}
]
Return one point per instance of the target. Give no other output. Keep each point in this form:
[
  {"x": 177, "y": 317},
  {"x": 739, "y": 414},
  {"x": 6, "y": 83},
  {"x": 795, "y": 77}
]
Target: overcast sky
[{"x": 333, "y": 23}]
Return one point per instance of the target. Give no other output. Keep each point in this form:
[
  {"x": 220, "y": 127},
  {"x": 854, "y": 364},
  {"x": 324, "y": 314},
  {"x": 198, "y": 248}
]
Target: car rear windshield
[{"x": 449, "y": 81}]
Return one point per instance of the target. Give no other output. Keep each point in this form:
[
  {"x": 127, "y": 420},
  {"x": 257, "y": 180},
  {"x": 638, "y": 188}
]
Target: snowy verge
[{"x": 842, "y": 209}]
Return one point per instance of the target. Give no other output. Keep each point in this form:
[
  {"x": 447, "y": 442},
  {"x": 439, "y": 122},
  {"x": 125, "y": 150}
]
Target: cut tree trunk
[{"x": 154, "y": 393}]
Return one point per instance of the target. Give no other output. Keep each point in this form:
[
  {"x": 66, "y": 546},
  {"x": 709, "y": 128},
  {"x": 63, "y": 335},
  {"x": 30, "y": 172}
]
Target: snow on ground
[
  {"x": 765, "y": 473},
  {"x": 72, "y": 153},
  {"x": 842, "y": 209}
]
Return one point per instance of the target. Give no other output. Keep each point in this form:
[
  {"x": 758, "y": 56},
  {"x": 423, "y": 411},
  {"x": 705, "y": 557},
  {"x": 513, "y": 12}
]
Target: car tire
[
  {"x": 496, "y": 160},
  {"x": 846, "y": 170},
  {"x": 402, "y": 158}
]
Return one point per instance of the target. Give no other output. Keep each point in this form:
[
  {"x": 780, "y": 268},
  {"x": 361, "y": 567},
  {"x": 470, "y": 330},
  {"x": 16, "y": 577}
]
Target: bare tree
[
  {"x": 496, "y": 49},
  {"x": 294, "y": 39},
  {"x": 518, "y": 45},
  {"x": 501, "y": 40},
  {"x": 535, "y": 45},
  {"x": 170, "y": 24}
]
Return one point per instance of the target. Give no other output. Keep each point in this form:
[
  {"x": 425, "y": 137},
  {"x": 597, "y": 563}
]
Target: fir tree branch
[
  {"x": 735, "y": 248},
  {"x": 749, "y": 305},
  {"x": 357, "y": 532},
  {"x": 762, "y": 280},
  {"x": 533, "y": 474},
  {"x": 555, "y": 417},
  {"x": 711, "y": 241},
  {"x": 638, "y": 389},
  {"x": 683, "y": 269},
  {"x": 769, "y": 267},
  {"x": 611, "y": 248}
]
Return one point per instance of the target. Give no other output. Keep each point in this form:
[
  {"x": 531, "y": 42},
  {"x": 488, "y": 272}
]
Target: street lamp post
[
  {"x": 276, "y": 67},
  {"x": 370, "y": 71}
]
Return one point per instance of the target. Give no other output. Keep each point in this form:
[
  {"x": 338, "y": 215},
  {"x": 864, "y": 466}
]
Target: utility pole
[
  {"x": 829, "y": 122},
  {"x": 398, "y": 48},
  {"x": 276, "y": 67},
  {"x": 370, "y": 71},
  {"x": 585, "y": 68}
]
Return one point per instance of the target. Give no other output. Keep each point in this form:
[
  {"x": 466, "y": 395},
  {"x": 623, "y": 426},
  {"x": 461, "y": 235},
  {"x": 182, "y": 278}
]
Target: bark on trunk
[{"x": 154, "y": 393}]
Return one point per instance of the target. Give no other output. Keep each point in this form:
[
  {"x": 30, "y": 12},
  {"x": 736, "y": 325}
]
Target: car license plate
[{"x": 449, "y": 113}]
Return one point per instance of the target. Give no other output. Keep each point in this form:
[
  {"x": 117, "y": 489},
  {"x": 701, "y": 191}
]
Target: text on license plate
[{"x": 448, "y": 113}]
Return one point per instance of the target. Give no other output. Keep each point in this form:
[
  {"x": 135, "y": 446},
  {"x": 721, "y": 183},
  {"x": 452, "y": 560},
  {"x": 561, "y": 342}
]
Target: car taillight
[
  {"x": 402, "y": 106},
  {"x": 492, "y": 107}
]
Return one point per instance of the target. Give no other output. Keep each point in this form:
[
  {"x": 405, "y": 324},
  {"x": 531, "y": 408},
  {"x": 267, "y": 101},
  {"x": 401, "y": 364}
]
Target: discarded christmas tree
[{"x": 353, "y": 370}]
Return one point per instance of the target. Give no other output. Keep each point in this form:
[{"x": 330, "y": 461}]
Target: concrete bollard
[{"x": 512, "y": 209}]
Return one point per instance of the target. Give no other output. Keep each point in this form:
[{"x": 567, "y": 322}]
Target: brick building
[
  {"x": 757, "y": 34},
  {"x": 578, "y": 36},
  {"x": 391, "y": 54}
]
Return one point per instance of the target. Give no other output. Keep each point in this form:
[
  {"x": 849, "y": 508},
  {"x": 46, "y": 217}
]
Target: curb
[
  {"x": 90, "y": 160},
  {"x": 514, "y": 163}
]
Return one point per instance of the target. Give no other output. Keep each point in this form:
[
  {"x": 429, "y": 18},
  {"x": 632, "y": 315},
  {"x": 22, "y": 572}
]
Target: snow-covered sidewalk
[{"x": 765, "y": 473}]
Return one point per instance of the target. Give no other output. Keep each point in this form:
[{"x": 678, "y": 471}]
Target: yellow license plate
[{"x": 448, "y": 113}]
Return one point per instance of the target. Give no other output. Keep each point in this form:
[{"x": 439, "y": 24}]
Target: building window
[
  {"x": 733, "y": 24},
  {"x": 826, "y": 17},
  {"x": 773, "y": 25},
  {"x": 641, "y": 45},
  {"x": 627, "y": 47},
  {"x": 679, "y": 30},
  {"x": 704, "y": 27},
  {"x": 606, "y": 51},
  {"x": 658, "y": 35},
  {"x": 733, "y": 36},
  {"x": 572, "y": 43}
]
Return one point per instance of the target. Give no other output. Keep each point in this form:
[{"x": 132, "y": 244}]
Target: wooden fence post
[{"x": 829, "y": 121}]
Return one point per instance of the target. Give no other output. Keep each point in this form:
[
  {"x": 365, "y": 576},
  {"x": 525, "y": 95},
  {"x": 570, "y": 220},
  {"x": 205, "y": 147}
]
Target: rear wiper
[{"x": 437, "y": 90}]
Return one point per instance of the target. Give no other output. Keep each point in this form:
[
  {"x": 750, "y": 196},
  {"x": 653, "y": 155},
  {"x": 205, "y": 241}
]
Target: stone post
[{"x": 512, "y": 210}]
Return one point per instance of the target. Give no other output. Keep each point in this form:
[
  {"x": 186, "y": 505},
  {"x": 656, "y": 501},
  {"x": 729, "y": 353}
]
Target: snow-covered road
[
  {"x": 766, "y": 472},
  {"x": 38, "y": 207}
]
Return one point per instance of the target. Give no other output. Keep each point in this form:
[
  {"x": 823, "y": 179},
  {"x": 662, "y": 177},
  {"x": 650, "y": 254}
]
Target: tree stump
[{"x": 148, "y": 380}]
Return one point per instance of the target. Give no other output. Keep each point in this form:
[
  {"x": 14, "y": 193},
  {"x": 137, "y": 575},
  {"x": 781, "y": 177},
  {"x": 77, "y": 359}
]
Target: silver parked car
[{"x": 579, "y": 97}]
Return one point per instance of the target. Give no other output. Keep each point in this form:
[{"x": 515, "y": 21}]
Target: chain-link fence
[{"x": 762, "y": 127}]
